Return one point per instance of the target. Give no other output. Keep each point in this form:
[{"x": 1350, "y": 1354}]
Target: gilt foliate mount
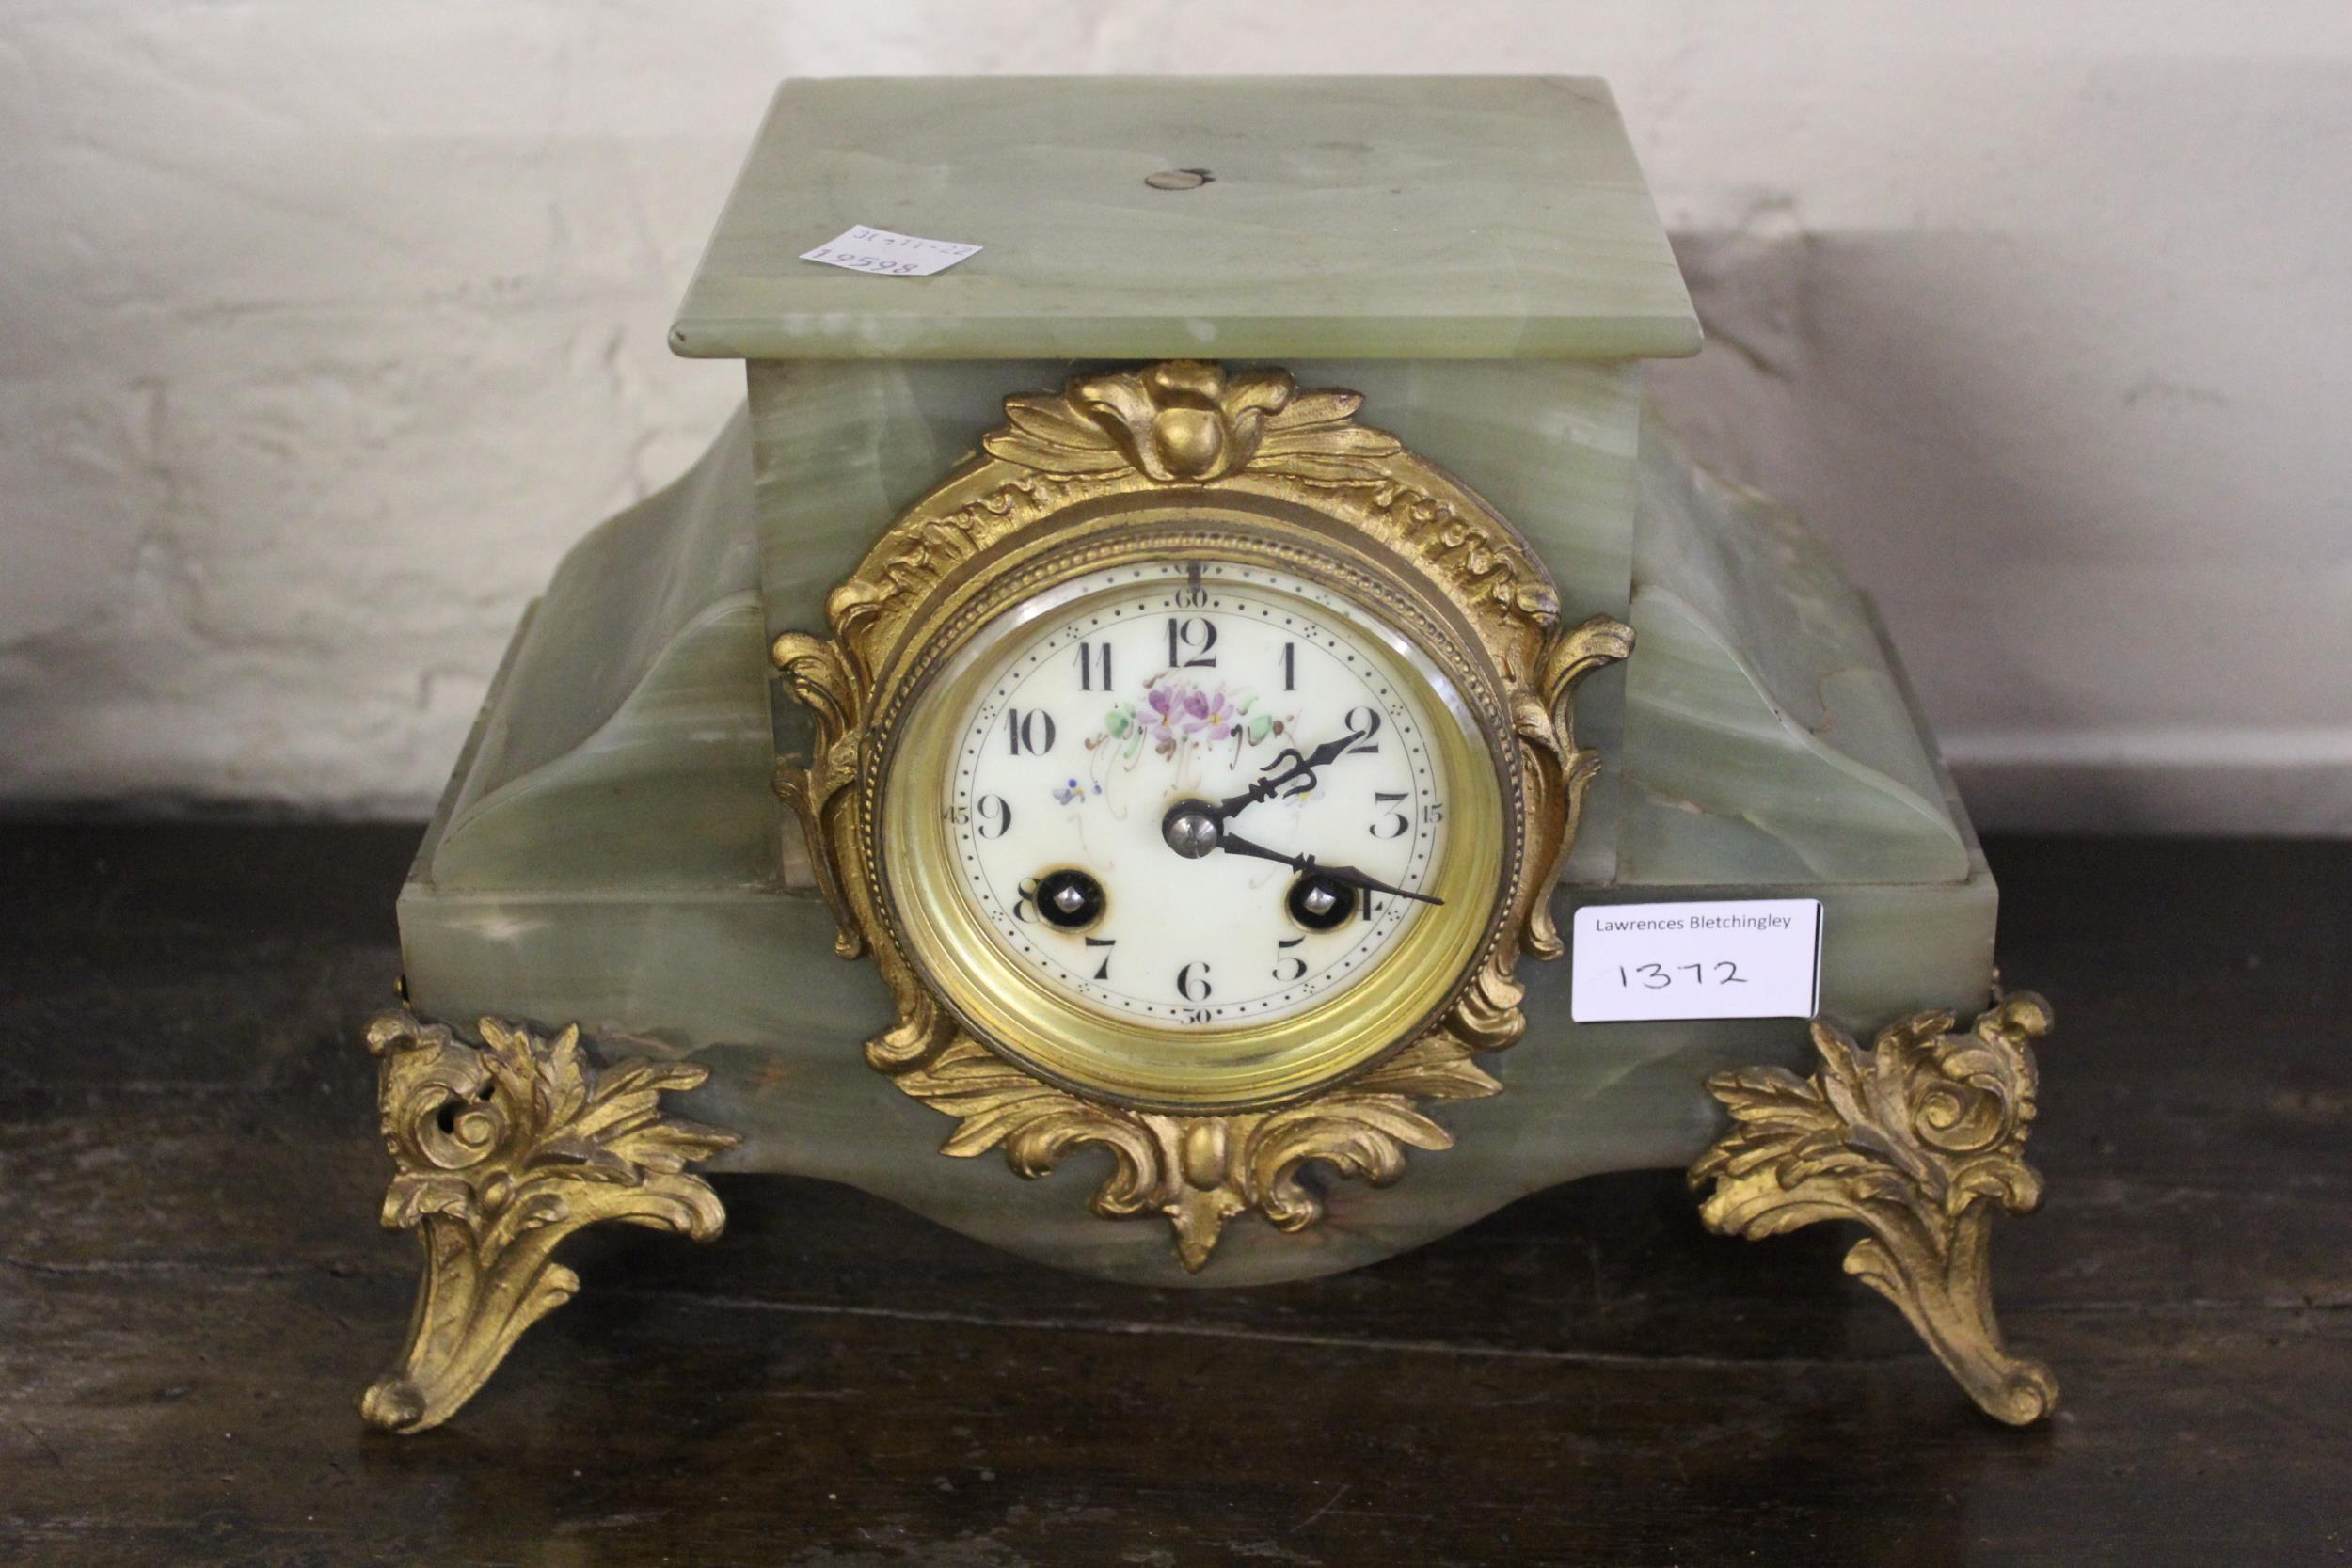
[
  {"x": 1919, "y": 1141},
  {"x": 503, "y": 1149},
  {"x": 1185, "y": 460}
]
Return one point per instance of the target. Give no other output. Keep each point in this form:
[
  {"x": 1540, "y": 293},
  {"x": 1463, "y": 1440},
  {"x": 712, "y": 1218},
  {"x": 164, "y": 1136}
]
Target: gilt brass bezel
[{"x": 1127, "y": 1061}]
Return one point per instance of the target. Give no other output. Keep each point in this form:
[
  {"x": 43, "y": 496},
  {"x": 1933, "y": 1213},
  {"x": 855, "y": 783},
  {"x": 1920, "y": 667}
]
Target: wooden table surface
[{"x": 195, "y": 1290}]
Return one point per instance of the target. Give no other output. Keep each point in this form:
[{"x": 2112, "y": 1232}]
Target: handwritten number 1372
[{"x": 1658, "y": 976}]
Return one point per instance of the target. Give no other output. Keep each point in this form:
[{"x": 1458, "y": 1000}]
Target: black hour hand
[{"x": 1302, "y": 769}]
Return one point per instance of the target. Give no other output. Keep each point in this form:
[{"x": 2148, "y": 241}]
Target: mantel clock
[{"x": 1171, "y": 683}]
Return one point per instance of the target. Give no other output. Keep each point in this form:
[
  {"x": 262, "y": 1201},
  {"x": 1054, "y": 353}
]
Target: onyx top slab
[{"x": 1409, "y": 218}]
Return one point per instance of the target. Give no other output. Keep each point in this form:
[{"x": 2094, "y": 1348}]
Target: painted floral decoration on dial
[{"x": 1176, "y": 712}]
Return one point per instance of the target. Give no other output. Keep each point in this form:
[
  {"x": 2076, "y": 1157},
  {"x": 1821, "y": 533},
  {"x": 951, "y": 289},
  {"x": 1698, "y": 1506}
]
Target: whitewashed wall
[{"x": 324, "y": 328}]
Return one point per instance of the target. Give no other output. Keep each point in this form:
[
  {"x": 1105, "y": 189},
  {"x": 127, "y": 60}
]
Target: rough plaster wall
[{"x": 324, "y": 328}]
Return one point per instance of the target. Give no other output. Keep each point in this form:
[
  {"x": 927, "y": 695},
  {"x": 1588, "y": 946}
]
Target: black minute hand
[
  {"x": 1233, "y": 844},
  {"x": 1329, "y": 751}
]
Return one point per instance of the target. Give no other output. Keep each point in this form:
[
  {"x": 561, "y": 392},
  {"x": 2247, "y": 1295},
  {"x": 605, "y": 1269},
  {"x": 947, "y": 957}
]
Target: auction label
[
  {"x": 1743, "y": 957},
  {"x": 878, "y": 250}
]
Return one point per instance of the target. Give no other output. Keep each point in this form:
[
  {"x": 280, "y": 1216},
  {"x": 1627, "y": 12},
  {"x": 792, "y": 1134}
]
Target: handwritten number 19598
[
  {"x": 1658, "y": 976},
  {"x": 856, "y": 263}
]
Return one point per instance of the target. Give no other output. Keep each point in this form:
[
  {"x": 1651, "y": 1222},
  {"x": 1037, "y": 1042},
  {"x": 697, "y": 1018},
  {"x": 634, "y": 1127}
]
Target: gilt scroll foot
[
  {"x": 504, "y": 1151},
  {"x": 1917, "y": 1141}
]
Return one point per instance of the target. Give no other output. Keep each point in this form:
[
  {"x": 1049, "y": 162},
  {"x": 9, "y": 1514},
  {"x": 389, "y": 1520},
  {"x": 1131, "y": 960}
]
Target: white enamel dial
[{"x": 1101, "y": 705}]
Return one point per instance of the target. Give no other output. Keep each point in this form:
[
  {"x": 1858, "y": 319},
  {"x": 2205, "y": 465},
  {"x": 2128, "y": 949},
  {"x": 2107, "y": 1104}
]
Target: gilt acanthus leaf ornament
[
  {"x": 1919, "y": 1141},
  {"x": 1201, "y": 1171},
  {"x": 502, "y": 1150},
  {"x": 1188, "y": 422},
  {"x": 1545, "y": 714}
]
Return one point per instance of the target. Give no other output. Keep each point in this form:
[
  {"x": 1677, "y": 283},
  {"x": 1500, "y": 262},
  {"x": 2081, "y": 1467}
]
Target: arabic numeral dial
[{"x": 1301, "y": 745}]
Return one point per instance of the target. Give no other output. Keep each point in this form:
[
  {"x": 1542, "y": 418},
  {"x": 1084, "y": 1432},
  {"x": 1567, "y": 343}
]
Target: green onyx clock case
[{"x": 1109, "y": 748}]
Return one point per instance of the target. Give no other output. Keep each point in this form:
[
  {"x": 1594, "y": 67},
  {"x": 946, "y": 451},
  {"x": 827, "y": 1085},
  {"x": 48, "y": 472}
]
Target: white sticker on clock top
[
  {"x": 865, "y": 248},
  {"x": 1743, "y": 957}
]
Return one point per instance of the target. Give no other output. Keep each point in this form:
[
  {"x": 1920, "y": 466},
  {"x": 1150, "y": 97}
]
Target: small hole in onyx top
[{"x": 1179, "y": 179}]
